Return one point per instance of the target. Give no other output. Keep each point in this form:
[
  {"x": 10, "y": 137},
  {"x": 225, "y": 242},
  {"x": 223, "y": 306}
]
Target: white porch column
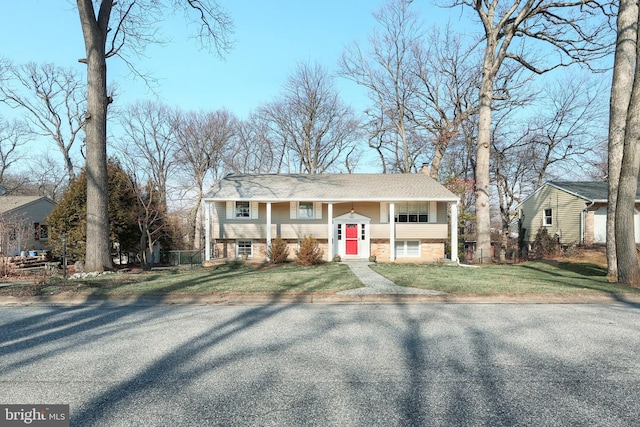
[
  {"x": 392, "y": 231},
  {"x": 454, "y": 232},
  {"x": 329, "y": 231},
  {"x": 268, "y": 227},
  {"x": 207, "y": 231}
]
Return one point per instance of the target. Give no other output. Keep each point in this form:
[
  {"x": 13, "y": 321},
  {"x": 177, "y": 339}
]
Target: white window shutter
[
  {"x": 384, "y": 212},
  {"x": 230, "y": 210},
  {"x": 254, "y": 210},
  {"x": 433, "y": 211},
  {"x": 317, "y": 207},
  {"x": 293, "y": 210}
]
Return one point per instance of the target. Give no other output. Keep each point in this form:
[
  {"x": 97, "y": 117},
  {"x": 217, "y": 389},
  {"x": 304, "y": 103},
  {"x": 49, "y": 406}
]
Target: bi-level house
[{"x": 394, "y": 217}]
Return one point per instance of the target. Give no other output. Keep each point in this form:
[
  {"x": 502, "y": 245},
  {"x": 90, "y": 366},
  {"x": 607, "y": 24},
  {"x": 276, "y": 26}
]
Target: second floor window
[
  {"x": 305, "y": 210},
  {"x": 243, "y": 210},
  {"x": 412, "y": 212}
]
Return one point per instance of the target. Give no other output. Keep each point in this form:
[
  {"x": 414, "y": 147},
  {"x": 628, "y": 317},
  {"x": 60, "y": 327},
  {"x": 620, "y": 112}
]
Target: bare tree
[
  {"x": 386, "y": 72},
  {"x": 625, "y": 63},
  {"x": 14, "y": 135},
  {"x": 513, "y": 170},
  {"x": 202, "y": 139},
  {"x": 445, "y": 92},
  {"x": 519, "y": 30},
  {"x": 313, "y": 125},
  {"x": 564, "y": 132},
  {"x": 150, "y": 144},
  {"x": 253, "y": 148},
  {"x": 111, "y": 30},
  {"x": 53, "y": 100},
  {"x": 48, "y": 177}
]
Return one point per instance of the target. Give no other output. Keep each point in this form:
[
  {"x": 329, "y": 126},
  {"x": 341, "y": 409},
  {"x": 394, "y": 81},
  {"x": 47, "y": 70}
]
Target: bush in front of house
[
  {"x": 278, "y": 251},
  {"x": 309, "y": 252},
  {"x": 544, "y": 244}
]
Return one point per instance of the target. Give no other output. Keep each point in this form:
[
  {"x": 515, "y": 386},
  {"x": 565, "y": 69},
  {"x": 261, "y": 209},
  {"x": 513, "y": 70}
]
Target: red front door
[{"x": 351, "y": 239}]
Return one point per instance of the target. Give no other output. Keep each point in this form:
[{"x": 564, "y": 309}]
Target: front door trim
[{"x": 360, "y": 244}]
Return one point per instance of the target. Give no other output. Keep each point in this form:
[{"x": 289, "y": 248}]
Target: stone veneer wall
[
  {"x": 227, "y": 249},
  {"x": 430, "y": 251}
]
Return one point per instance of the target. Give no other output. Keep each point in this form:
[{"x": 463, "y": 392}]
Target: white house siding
[
  {"x": 421, "y": 231},
  {"x": 226, "y": 231},
  {"x": 567, "y": 214}
]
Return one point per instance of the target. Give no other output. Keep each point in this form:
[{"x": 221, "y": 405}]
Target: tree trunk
[
  {"x": 438, "y": 155},
  {"x": 624, "y": 66},
  {"x": 628, "y": 267},
  {"x": 483, "y": 211},
  {"x": 69, "y": 166},
  {"x": 194, "y": 223},
  {"x": 98, "y": 256}
]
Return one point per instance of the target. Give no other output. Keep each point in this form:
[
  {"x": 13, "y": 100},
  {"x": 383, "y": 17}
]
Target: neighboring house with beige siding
[
  {"x": 23, "y": 225},
  {"x": 394, "y": 217},
  {"x": 572, "y": 211}
]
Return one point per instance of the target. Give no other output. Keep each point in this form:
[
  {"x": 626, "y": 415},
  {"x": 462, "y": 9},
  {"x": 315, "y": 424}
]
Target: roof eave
[{"x": 326, "y": 200}]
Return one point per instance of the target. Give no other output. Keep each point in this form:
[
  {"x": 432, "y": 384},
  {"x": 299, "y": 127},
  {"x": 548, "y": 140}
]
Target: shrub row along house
[
  {"x": 570, "y": 211},
  {"x": 394, "y": 217}
]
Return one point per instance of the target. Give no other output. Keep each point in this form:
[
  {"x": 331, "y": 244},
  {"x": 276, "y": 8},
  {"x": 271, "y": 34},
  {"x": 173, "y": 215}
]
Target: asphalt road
[{"x": 317, "y": 364}]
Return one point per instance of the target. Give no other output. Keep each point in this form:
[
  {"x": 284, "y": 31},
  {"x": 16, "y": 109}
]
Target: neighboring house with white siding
[
  {"x": 23, "y": 223},
  {"x": 394, "y": 217},
  {"x": 572, "y": 211}
]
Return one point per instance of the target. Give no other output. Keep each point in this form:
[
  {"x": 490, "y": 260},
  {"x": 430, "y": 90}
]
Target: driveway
[{"x": 346, "y": 365}]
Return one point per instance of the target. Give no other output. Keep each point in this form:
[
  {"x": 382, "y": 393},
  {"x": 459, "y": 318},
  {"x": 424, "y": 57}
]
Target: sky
[{"x": 270, "y": 38}]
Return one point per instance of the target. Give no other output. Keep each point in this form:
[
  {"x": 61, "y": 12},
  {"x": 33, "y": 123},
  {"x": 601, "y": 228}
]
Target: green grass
[
  {"x": 529, "y": 277},
  {"x": 233, "y": 277},
  {"x": 552, "y": 277}
]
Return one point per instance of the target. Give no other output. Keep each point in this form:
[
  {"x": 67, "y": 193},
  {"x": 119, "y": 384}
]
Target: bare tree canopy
[
  {"x": 447, "y": 78},
  {"x": 310, "y": 122},
  {"x": 386, "y": 72},
  {"x": 149, "y": 143},
  {"x": 565, "y": 130},
  {"x": 14, "y": 134},
  {"x": 112, "y": 29},
  {"x": 53, "y": 101}
]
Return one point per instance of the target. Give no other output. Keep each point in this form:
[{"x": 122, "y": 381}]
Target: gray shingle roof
[
  {"x": 589, "y": 190},
  {"x": 330, "y": 188},
  {"x": 9, "y": 203}
]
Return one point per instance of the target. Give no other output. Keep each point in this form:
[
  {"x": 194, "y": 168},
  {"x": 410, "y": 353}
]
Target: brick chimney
[{"x": 424, "y": 169}]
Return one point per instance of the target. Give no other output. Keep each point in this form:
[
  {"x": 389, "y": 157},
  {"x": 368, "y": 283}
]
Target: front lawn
[
  {"x": 232, "y": 277},
  {"x": 549, "y": 276}
]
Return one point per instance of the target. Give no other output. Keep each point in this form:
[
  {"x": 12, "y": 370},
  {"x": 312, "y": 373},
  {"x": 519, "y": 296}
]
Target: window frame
[
  {"x": 404, "y": 253},
  {"x": 412, "y": 212},
  {"x": 547, "y": 219},
  {"x": 239, "y": 211},
  {"x": 309, "y": 212},
  {"x": 239, "y": 244},
  {"x": 43, "y": 232}
]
